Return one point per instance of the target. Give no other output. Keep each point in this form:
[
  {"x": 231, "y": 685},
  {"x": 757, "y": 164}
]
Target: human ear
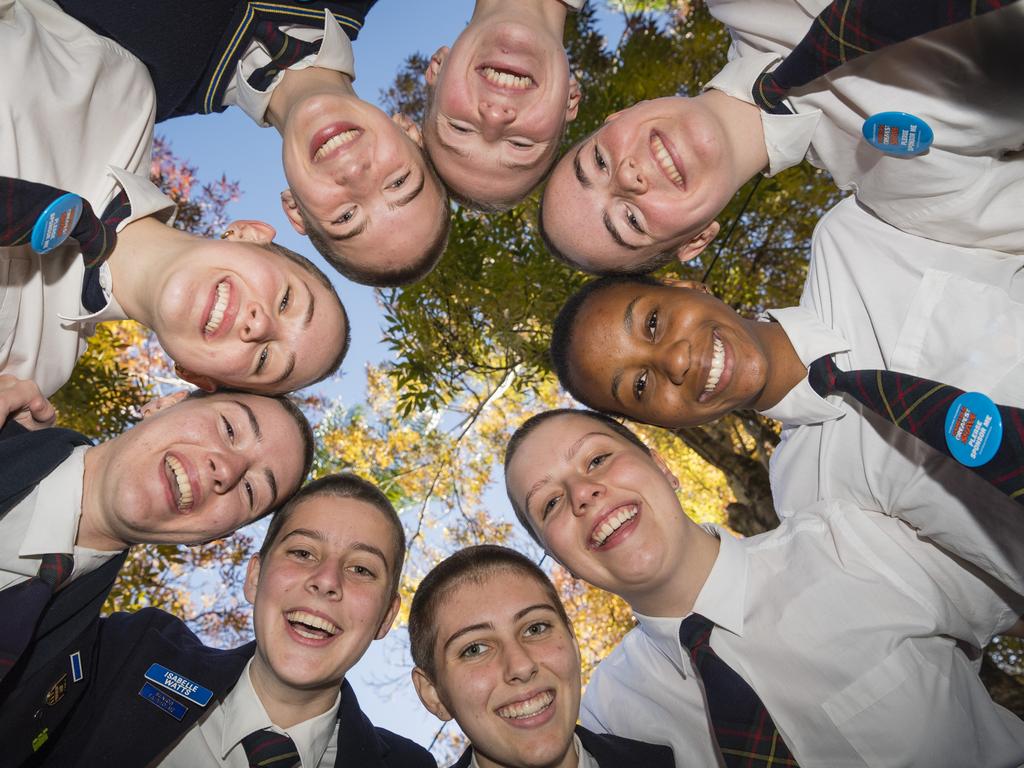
[
  {"x": 436, "y": 62},
  {"x": 693, "y": 248},
  {"x": 158, "y": 404},
  {"x": 427, "y": 692},
  {"x": 693, "y": 285},
  {"x": 291, "y": 211},
  {"x": 204, "y": 383},
  {"x": 572, "y": 106},
  {"x": 663, "y": 467},
  {"x": 389, "y": 618},
  {"x": 409, "y": 127},
  {"x": 252, "y": 579},
  {"x": 250, "y": 231}
]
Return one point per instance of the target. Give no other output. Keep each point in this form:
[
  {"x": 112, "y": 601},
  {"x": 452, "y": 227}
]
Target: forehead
[
  {"x": 342, "y": 522},
  {"x": 493, "y": 596},
  {"x": 548, "y": 447}
]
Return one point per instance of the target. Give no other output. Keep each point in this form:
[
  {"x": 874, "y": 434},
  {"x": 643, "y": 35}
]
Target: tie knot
[
  {"x": 56, "y": 569},
  {"x": 269, "y": 749},
  {"x": 823, "y": 375},
  {"x": 695, "y": 631}
]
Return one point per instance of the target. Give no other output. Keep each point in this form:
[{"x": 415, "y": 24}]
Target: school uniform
[
  {"x": 962, "y": 80},
  {"x": 158, "y": 725},
  {"x": 600, "y": 750},
  {"x": 902, "y": 303},
  {"x": 858, "y": 638}
]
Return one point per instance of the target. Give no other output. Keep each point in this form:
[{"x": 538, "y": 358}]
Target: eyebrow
[
  {"x": 319, "y": 536},
  {"x": 627, "y": 322},
  {"x": 488, "y": 625},
  {"x": 451, "y": 147},
  {"x": 354, "y": 233},
  {"x": 411, "y": 196},
  {"x": 255, "y": 425},
  {"x": 607, "y": 221},
  {"x": 289, "y": 367},
  {"x": 309, "y": 307},
  {"x": 578, "y": 167},
  {"x": 272, "y": 482}
]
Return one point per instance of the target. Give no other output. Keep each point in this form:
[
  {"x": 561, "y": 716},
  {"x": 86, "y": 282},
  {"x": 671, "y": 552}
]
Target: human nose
[
  {"x": 585, "y": 492},
  {"x": 226, "y": 468},
  {"x": 519, "y": 663},
  {"x": 494, "y": 117},
  {"x": 325, "y": 581},
  {"x": 675, "y": 361},
  {"x": 255, "y": 323},
  {"x": 630, "y": 176}
]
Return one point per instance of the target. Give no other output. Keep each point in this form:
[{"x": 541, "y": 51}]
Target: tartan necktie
[
  {"x": 847, "y": 29},
  {"x": 269, "y": 749},
  {"x": 22, "y": 202},
  {"x": 22, "y": 604},
  {"x": 745, "y": 732},
  {"x": 920, "y": 407},
  {"x": 284, "y": 51}
]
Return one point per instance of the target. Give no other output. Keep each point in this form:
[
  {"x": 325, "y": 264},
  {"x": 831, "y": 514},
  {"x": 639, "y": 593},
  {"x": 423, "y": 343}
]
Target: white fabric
[
  {"x": 883, "y": 299},
  {"x": 586, "y": 760},
  {"x": 575, "y": 5},
  {"x": 46, "y": 522},
  {"x": 853, "y": 632},
  {"x": 335, "y": 53},
  {"x": 216, "y": 742},
  {"x": 963, "y": 81}
]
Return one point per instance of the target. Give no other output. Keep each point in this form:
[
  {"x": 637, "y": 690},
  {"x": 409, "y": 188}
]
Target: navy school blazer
[{"x": 113, "y": 726}]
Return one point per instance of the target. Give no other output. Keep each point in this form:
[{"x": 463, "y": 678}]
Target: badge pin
[
  {"x": 974, "y": 429},
  {"x": 898, "y": 133},
  {"x": 162, "y": 701},
  {"x": 76, "y": 667},
  {"x": 57, "y": 691},
  {"x": 56, "y": 223},
  {"x": 179, "y": 684}
]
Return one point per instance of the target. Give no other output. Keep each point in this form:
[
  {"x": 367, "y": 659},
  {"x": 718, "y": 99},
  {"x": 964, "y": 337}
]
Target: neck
[
  {"x": 546, "y": 15},
  {"x": 298, "y": 85},
  {"x": 740, "y": 124},
  {"x": 785, "y": 369},
  {"x": 93, "y": 529},
  {"x": 677, "y": 594},
  {"x": 286, "y": 705}
]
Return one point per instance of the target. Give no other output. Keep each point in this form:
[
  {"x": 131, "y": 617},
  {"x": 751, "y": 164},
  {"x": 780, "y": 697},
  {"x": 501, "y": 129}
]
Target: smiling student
[
  {"x": 670, "y": 354},
  {"x": 499, "y": 100},
  {"x": 359, "y": 184},
  {"x": 495, "y": 651},
  {"x": 645, "y": 188},
  {"x": 840, "y": 638},
  {"x": 323, "y": 586}
]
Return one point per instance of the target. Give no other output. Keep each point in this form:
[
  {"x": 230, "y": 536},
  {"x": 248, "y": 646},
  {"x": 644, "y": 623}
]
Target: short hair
[
  {"x": 317, "y": 274},
  {"x": 344, "y": 485},
  {"x": 378, "y": 277},
  {"x": 563, "y": 331},
  {"x": 532, "y": 423},
  {"x": 474, "y": 564}
]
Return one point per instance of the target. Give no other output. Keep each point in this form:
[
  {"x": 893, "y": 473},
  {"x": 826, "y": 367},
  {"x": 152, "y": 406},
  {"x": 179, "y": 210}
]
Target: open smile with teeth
[
  {"x": 505, "y": 79},
  {"x": 717, "y": 364},
  {"x": 179, "y": 483},
  {"x": 311, "y": 626},
  {"x": 219, "y": 306},
  {"x": 612, "y": 524},
  {"x": 664, "y": 158},
  {"x": 338, "y": 140},
  {"x": 532, "y": 706}
]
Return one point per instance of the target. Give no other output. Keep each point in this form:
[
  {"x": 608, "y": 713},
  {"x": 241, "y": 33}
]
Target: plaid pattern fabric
[
  {"x": 22, "y": 202},
  {"x": 919, "y": 406},
  {"x": 275, "y": 750},
  {"x": 847, "y": 29},
  {"x": 746, "y": 735},
  {"x": 284, "y": 51},
  {"x": 22, "y": 604}
]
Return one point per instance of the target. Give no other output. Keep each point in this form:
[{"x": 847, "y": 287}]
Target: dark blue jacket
[
  {"x": 112, "y": 726},
  {"x": 611, "y": 752},
  {"x": 190, "y": 47}
]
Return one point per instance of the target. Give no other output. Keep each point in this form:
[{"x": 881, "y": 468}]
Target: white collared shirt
[
  {"x": 216, "y": 741},
  {"x": 856, "y": 660},
  {"x": 961, "y": 80},
  {"x": 586, "y": 760},
  {"x": 45, "y": 522},
  {"x": 882, "y": 299}
]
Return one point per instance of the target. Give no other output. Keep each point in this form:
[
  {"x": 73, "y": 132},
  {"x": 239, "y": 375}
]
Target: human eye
[
  {"x": 652, "y": 324},
  {"x": 262, "y": 362},
  {"x": 364, "y": 571},
  {"x": 537, "y": 628},
  {"x": 472, "y": 650},
  {"x": 230, "y": 430},
  {"x": 300, "y": 554},
  {"x": 549, "y": 507},
  {"x": 597, "y": 461},
  {"x": 520, "y": 144},
  {"x": 599, "y": 159},
  {"x": 634, "y": 222},
  {"x": 345, "y": 217},
  {"x": 397, "y": 183},
  {"x": 640, "y": 385},
  {"x": 285, "y": 299},
  {"x": 458, "y": 128}
]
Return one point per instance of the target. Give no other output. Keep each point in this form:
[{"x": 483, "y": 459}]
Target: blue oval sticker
[
  {"x": 898, "y": 133},
  {"x": 56, "y": 223},
  {"x": 974, "y": 429}
]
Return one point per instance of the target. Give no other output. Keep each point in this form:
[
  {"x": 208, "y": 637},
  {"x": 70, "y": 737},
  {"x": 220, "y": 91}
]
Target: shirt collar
[
  {"x": 244, "y": 713},
  {"x": 723, "y": 596},
  {"x": 54, "y": 525},
  {"x": 786, "y": 137},
  {"x": 811, "y": 339}
]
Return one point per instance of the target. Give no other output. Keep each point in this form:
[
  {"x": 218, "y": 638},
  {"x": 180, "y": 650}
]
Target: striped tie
[
  {"x": 284, "y": 51},
  {"x": 268, "y": 748},
  {"x": 847, "y": 29},
  {"x": 745, "y": 732},
  {"x": 22, "y": 604}
]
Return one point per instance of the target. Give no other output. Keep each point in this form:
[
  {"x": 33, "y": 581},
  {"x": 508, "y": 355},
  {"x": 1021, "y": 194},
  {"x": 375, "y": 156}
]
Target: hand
[{"x": 21, "y": 400}]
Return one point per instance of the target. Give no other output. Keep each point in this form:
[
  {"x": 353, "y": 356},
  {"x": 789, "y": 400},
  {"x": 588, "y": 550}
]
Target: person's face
[
  {"x": 668, "y": 355},
  {"x": 234, "y": 314},
  {"x": 651, "y": 179},
  {"x": 200, "y": 469},
  {"x": 322, "y": 593},
  {"x": 602, "y": 506},
  {"x": 362, "y": 180},
  {"x": 507, "y": 670},
  {"x": 502, "y": 95}
]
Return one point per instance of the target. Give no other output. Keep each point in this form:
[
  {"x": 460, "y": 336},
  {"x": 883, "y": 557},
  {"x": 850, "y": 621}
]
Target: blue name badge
[
  {"x": 76, "y": 667},
  {"x": 56, "y": 223},
  {"x": 162, "y": 701},
  {"x": 172, "y": 681},
  {"x": 974, "y": 429},
  {"x": 898, "y": 133}
]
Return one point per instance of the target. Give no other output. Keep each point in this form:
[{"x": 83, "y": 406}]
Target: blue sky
[{"x": 232, "y": 144}]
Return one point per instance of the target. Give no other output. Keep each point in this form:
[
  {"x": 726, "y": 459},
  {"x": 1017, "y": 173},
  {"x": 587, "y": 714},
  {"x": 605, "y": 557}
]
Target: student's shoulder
[{"x": 404, "y": 753}]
